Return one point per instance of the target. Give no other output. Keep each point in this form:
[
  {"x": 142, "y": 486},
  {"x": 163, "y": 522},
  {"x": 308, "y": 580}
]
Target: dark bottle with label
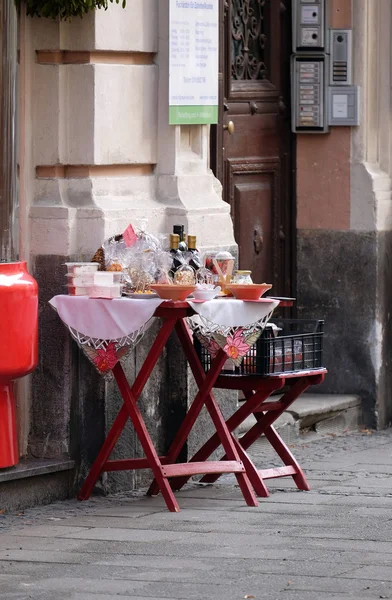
[
  {"x": 179, "y": 230},
  {"x": 193, "y": 253},
  {"x": 178, "y": 257}
]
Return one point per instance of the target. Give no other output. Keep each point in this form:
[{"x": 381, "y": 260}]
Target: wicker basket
[{"x": 99, "y": 256}]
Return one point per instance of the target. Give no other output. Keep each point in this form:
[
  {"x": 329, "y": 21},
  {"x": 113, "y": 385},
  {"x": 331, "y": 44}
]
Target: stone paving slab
[{"x": 333, "y": 542}]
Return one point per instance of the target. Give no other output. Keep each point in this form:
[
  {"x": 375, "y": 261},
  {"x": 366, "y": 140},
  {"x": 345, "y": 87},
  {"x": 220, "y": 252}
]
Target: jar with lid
[
  {"x": 243, "y": 277},
  {"x": 185, "y": 275}
]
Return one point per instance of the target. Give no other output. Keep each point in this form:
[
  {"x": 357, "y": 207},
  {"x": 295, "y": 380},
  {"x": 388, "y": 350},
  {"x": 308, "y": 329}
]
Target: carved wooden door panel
[{"x": 252, "y": 144}]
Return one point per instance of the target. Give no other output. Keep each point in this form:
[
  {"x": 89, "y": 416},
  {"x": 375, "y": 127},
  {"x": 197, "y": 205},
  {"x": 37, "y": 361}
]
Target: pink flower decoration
[
  {"x": 236, "y": 345},
  {"x": 213, "y": 348},
  {"x": 106, "y": 358}
]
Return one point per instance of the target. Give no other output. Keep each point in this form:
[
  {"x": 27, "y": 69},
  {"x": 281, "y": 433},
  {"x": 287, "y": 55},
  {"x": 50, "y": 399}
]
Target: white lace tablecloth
[{"x": 107, "y": 330}]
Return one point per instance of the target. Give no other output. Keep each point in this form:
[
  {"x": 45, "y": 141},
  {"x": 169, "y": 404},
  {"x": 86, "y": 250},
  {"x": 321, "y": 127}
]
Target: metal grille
[{"x": 248, "y": 40}]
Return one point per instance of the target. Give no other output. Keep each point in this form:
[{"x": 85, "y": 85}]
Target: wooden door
[{"x": 254, "y": 162}]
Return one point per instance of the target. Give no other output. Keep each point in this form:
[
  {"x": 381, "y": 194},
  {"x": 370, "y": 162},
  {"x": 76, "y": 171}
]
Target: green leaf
[{"x": 63, "y": 9}]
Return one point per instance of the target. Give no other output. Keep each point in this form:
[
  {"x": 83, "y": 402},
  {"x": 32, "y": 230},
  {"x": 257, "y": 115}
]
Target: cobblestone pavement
[{"x": 332, "y": 542}]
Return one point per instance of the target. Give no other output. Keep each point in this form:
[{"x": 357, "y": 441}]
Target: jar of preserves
[{"x": 243, "y": 277}]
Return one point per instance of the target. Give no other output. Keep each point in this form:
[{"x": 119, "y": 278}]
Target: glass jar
[
  {"x": 225, "y": 261},
  {"x": 243, "y": 278},
  {"x": 185, "y": 276}
]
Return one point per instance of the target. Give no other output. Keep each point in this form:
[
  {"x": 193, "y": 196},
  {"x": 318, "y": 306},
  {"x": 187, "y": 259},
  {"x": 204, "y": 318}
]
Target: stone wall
[
  {"x": 345, "y": 222},
  {"x": 97, "y": 153}
]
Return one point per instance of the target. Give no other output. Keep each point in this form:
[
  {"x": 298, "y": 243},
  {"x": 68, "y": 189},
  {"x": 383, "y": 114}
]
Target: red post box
[{"x": 18, "y": 347}]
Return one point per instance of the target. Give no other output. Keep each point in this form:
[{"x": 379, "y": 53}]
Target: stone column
[
  {"x": 90, "y": 152},
  {"x": 192, "y": 196},
  {"x": 345, "y": 222},
  {"x": 185, "y": 183},
  {"x": 99, "y": 153},
  {"x": 371, "y": 190}
]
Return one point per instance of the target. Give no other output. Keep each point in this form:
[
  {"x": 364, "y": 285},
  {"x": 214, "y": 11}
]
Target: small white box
[
  {"x": 78, "y": 291},
  {"x": 103, "y": 278},
  {"x": 106, "y": 291},
  {"x": 87, "y": 279},
  {"x": 78, "y": 268}
]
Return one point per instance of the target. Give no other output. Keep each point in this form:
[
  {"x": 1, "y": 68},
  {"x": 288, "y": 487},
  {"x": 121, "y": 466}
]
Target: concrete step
[{"x": 314, "y": 416}]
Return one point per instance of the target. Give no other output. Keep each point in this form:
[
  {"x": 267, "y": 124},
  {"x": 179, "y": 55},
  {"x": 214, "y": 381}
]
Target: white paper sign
[
  {"x": 194, "y": 61},
  {"x": 340, "y": 106}
]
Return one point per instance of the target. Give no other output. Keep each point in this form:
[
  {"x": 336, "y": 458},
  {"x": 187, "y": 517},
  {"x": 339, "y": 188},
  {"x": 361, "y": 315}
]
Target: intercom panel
[
  {"x": 309, "y": 83},
  {"x": 341, "y": 56},
  {"x": 308, "y": 25}
]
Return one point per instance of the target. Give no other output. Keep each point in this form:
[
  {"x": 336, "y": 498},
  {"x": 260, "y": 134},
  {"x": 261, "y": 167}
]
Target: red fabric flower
[
  {"x": 106, "y": 358},
  {"x": 236, "y": 345},
  {"x": 213, "y": 348}
]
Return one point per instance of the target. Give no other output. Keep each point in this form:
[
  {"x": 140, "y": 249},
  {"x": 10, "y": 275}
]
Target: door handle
[
  {"x": 230, "y": 128},
  {"x": 258, "y": 241}
]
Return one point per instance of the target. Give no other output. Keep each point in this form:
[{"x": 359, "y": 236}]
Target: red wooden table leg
[
  {"x": 264, "y": 426},
  {"x": 287, "y": 457},
  {"x": 191, "y": 416},
  {"x": 230, "y": 448},
  {"x": 300, "y": 385},
  {"x": 123, "y": 415},
  {"x": 239, "y": 416},
  {"x": 145, "y": 439},
  {"x": 103, "y": 455},
  {"x": 223, "y": 435},
  {"x": 233, "y": 422}
]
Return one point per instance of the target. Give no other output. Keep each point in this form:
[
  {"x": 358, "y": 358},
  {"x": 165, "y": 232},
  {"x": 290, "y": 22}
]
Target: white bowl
[{"x": 200, "y": 294}]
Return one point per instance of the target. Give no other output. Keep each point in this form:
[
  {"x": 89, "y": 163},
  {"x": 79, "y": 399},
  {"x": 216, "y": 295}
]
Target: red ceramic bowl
[
  {"x": 173, "y": 292},
  {"x": 248, "y": 292}
]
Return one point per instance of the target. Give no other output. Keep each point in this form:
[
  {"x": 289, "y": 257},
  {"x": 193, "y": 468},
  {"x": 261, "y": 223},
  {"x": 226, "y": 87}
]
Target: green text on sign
[{"x": 193, "y": 115}]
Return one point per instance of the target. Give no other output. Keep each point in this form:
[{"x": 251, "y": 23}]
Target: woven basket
[{"x": 99, "y": 256}]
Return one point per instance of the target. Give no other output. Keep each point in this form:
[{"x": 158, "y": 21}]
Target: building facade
[{"x": 310, "y": 213}]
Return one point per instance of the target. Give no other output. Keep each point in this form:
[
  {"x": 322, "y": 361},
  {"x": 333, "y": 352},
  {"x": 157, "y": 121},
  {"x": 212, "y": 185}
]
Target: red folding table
[
  {"x": 163, "y": 467},
  {"x": 236, "y": 460}
]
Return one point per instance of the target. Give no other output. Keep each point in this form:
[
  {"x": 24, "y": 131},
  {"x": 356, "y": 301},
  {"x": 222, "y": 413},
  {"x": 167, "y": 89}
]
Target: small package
[
  {"x": 85, "y": 280},
  {"x": 106, "y": 291},
  {"x": 80, "y": 268},
  {"x": 74, "y": 290},
  {"x": 104, "y": 278}
]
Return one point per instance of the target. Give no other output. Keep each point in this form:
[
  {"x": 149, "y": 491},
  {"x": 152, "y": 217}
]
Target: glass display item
[
  {"x": 205, "y": 277},
  {"x": 243, "y": 277},
  {"x": 185, "y": 276},
  {"x": 209, "y": 260},
  {"x": 225, "y": 262}
]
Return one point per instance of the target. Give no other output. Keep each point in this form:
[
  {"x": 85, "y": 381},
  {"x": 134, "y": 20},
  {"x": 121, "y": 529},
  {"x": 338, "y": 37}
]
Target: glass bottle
[
  {"x": 178, "y": 258},
  {"x": 179, "y": 230},
  {"x": 193, "y": 253}
]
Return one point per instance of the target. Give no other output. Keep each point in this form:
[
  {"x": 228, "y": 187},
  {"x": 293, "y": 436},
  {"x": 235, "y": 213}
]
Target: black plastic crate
[{"x": 298, "y": 346}]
